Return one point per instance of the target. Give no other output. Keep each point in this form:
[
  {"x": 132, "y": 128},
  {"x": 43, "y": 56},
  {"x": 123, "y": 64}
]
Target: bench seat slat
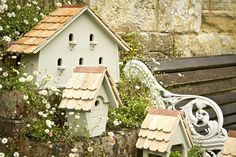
[
  {"x": 196, "y": 76},
  {"x": 227, "y": 109},
  {"x": 206, "y": 87},
  {"x": 186, "y": 64},
  {"x": 230, "y": 126},
  {"x": 224, "y": 98}
]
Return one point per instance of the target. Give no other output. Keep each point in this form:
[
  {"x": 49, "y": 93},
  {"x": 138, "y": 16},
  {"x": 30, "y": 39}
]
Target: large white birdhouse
[
  {"x": 163, "y": 131},
  {"x": 68, "y": 37},
  {"x": 86, "y": 98}
]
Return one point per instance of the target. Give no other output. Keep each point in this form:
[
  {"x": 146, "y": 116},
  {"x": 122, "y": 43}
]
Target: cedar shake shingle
[
  {"x": 48, "y": 27},
  {"x": 157, "y": 130},
  {"x": 229, "y": 146},
  {"x": 82, "y": 88}
]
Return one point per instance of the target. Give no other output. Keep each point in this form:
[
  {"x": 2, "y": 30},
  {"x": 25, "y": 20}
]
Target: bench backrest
[{"x": 213, "y": 77}]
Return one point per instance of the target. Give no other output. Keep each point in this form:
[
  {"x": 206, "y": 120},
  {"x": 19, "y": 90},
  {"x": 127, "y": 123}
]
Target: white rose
[
  {"x": 4, "y": 140},
  {"x": 77, "y": 116},
  {"x": 2, "y": 154},
  {"x": 5, "y": 74},
  {"x": 22, "y": 79},
  {"x": 29, "y": 78},
  {"x": 25, "y": 97},
  {"x": 46, "y": 131},
  {"x": 48, "y": 105},
  {"x": 16, "y": 154}
]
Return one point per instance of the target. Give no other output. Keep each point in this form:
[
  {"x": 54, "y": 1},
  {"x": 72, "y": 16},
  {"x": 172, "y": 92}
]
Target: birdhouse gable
[
  {"x": 162, "y": 129},
  {"x": 84, "y": 88},
  {"x": 55, "y": 23},
  {"x": 229, "y": 146}
]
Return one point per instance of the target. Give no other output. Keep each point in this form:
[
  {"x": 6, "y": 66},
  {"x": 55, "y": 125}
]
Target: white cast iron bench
[{"x": 214, "y": 77}]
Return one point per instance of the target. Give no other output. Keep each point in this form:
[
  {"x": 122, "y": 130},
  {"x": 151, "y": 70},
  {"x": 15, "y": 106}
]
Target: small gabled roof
[
  {"x": 82, "y": 88},
  {"x": 158, "y": 129},
  {"x": 52, "y": 25},
  {"x": 229, "y": 149}
]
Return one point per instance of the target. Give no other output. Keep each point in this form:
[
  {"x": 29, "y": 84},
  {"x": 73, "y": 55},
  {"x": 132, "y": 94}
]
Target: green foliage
[
  {"x": 16, "y": 19},
  {"x": 193, "y": 152},
  {"x": 134, "y": 94},
  {"x": 134, "y": 41},
  {"x": 175, "y": 154},
  {"x": 135, "y": 103}
]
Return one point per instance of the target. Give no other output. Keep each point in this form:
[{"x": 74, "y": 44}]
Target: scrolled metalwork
[{"x": 207, "y": 133}]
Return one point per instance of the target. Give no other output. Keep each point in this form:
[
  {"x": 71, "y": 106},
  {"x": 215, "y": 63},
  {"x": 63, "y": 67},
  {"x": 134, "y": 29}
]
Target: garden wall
[
  {"x": 13, "y": 119},
  {"x": 174, "y": 27}
]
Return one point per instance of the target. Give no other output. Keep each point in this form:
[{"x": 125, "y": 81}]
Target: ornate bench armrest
[{"x": 211, "y": 135}]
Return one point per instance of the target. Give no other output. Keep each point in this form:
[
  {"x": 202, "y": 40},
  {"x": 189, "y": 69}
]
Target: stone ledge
[{"x": 119, "y": 146}]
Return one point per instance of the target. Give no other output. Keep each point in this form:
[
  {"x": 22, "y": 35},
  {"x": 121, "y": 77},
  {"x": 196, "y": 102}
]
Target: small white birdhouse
[
  {"x": 86, "y": 98},
  {"x": 229, "y": 149},
  {"x": 163, "y": 131}
]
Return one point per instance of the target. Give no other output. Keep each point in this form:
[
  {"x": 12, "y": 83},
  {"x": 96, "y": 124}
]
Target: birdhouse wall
[
  {"x": 97, "y": 118},
  {"x": 181, "y": 139},
  {"x": 30, "y": 62},
  {"x": 78, "y": 126},
  {"x": 59, "y": 47},
  {"x": 147, "y": 153}
]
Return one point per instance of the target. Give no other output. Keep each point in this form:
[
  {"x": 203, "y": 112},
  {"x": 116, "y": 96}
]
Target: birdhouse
[
  {"x": 86, "y": 98},
  {"x": 163, "y": 131},
  {"x": 70, "y": 36},
  {"x": 229, "y": 149}
]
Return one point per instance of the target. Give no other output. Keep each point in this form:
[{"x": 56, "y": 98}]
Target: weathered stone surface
[
  {"x": 125, "y": 13},
  {"x": 219, "y": 22},
  {"x": 119, "y": 146},
  {"x": 168, "y": 25},
  {"x": 179, "y": 16},
  {"x": 9, "y": 128},
  {"x": 12, "y": 105},
  {"x": 158, "y": 42},
  {"x": 205, "y": 44}
]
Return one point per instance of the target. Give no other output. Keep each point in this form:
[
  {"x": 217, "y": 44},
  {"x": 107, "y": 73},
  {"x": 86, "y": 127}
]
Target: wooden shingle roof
[
  {"x": 229, "y": 149},
  {"x": 46, "y": 29},
  {"x": 82, "y": 88},
  {"x": 51, "y": 25},
  {"x": 158, "y": 129}
]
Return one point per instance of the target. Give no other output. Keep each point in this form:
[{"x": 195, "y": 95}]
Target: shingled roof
[
  {"x": 229, "y": 149},
  {"x": 82, "y": 88},
  {"x": 52, "y": 25},
  {"x": 158, "y": 129}
]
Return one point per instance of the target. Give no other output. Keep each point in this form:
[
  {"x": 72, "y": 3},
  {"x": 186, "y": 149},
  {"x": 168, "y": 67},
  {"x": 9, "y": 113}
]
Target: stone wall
[
  {"x": 175, "y": 27},
  {"x": 13, "y": 119}
]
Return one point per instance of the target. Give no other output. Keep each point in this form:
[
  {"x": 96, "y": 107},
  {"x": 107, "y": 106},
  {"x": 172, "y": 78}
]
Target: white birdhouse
[
  {"x": 68, "y": 37},
  {"x": 229, "y": 146},
  {"x": 86, "y": 98},
  {"x": 163, "y": 131}
]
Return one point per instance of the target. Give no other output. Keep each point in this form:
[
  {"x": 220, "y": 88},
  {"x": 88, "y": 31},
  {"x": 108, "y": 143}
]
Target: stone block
[
  {"x": 218, "y": 23},
  {"x": 205, "y": 44},
  {"x": 10, "y": 128},
  {"x": 121, "y": 14},
  {"x": 12, "y": 105},
  {"x": 180, "y": 16},
  {"x": 158, "y": 42}
]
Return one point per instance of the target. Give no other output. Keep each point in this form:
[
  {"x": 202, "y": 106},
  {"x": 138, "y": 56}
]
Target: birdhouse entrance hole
[
  {"x": 97, "y": 103},
  {"x": 71, "y": 37},
  {"x": 81, "y": 61},
  {"x": 59, "y": 62},
  {"x": 100, "y": 60},
  {"x": 91, "y": 37}
]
